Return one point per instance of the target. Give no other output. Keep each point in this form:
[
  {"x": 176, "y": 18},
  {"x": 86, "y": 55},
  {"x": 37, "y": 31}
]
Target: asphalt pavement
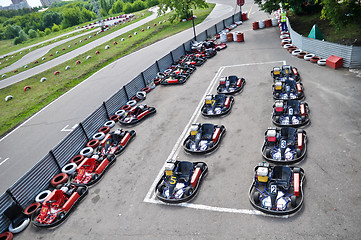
[{"x": 122, "y": 205}]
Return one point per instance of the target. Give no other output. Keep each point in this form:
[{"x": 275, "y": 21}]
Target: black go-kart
[
  {"x": 205, "y": 48},
  {"x": 285, "y": 72},
  {"x": 58, "y": 205},
  {"x": 180, "y": 181},
  {"x": 230, "y": 85},
  {"x": 194, "y": 59},
  {"x": 204, "y": 138},
  {"x": 136, "y": 114},
  {"x": 217, "y": 105},
  {"x": 285, "y": 145},
  {"x": 173, "y": 76},
  {"x": 288, "y": 90},
  {"x": 115, "y": 142},
  {"x": 277, "y": 190},
  {"x": 290, "y": 113}
]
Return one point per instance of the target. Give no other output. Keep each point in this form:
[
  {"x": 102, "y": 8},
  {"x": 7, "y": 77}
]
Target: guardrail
[
  {"x": 351, "y": 54},
  {"x": 37, "y": 178}
]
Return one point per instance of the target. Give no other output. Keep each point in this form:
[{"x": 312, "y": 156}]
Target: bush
[
  {"x": 17, "y": 40},
  {"x": 32, "y": 33},
  {"x": 23, "y": 36},
  {"x": 41, "y": 33},
  {"x": 128, "y": 8},
  {"x": 55, "y": 28},
  {"x": 47, "y": 31}
]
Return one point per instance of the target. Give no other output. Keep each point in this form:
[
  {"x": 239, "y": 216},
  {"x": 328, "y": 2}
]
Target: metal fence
[
  {"x": 351, "y": 55},
  {"x": 38, "y": 178}
]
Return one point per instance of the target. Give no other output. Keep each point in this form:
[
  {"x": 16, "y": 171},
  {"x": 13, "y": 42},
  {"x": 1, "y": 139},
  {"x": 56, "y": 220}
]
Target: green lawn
[{"x": 27, "y": 103}]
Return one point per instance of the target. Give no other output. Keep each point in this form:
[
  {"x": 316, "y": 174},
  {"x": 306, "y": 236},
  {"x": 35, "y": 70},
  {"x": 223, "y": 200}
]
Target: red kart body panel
[
  {"x": 71, "y": 201},
  {"x": 101, "y": 167},
  {"x": 195, "y": 177},
  {"x": 125, "y": 139},
  {"x": 296, "y": 184},
  {"x": 216, "y": 134},
  {"x": 140, "y": 116},
  {"x": 300, "y": 140}
]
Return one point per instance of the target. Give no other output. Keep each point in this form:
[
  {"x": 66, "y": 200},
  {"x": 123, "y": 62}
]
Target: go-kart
[
  {"x": 203, "y": 138},
  {"x": 180, "y": 181},
  {"x": 230, "y": 85},
  {"x": 290, "y": 113},
  {"x": 285, "y": 72},
  {"x": 287, "y": 90},
  {"x": 217, "y": 105},
  {"x": 285, "y": 145},
  {"x": 277, "y": 190},
  {"x": 91, "y": 170},
  {"x": 194, "y": 59},
  {"x": 115, "y": 142},
  {"x": 136, "y": 114},
  {"x": 58, "y": 205},
  {"x": 205, "y": 48},
  {"x": 174, "y": 75}
]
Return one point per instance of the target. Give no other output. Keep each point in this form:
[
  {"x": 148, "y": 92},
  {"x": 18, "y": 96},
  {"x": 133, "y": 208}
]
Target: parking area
[{"x": 122, "y": 205}]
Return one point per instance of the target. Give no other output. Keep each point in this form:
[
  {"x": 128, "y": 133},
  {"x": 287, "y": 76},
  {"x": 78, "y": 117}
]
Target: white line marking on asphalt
[
  {"x": 150, "y": 197},
  {"x": 65, "y": 129},
  {"x": 4, "y": 161}
]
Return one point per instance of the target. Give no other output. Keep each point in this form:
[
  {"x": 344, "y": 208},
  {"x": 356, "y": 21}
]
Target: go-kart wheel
[
  {"x": 161, "y": 188},
  {"x": 298, "y": 151},
  {"x": 111, "y": 157},
  {"x": 268, "y": 153},
  {"x": 60, "y": 215},
  {"x": 277, "y": 119},
  {"x": 303, "y": 119},
  {"x": 94, "y": 176},
  {"x": 300, "y": 130},
  {"x": 277, "y": 95},
  {"x": 73, "y": 175},
  {"x": 20, "y": 227},
  {"x": 201, "y": 166},
  {"x": 293, "y": 201},
  {"x": 81, "y": 190},
  {"x": 188, "y": 191},
  {"x": 211, "y": 144},
  {"x": 296, "y": 170},
  {"x": 256, "y": 197}
]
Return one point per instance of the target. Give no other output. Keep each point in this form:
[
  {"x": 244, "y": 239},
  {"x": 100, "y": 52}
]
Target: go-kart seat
[
  {"x": 233, "y": 79},
  {"x": 185, "y": 169},
  {"x": 220, "y": 99},
  {"x": 295, "y": 105},
  {"x": 15, "y": 214},
  {"x": 281, "y": 175},
  {"x": 57, "y": 199},
  {"x": 292, "y": 84},
  {"x": 288, "y": 134},
  {"x": 207, "y": 131}
]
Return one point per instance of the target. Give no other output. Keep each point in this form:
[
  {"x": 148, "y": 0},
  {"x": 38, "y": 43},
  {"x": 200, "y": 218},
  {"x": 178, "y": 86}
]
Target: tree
[
  {"x": 47, "y": 31},
  {"x": 55, "y": 28},
  {"x": 151, "y": 3},
  {"x": 12, "y": 31},
  {"x": 340, "y": 13},
  {"x": 128, "y": 8},
  {"x": 182, "y": 7},
  {"x": 32, "y": 33},
  {"x": 23, "y": 36},
  {"x": 49, "y": 18},
  {"x": 117, "y": 7},
  {"x": 71, "y": 17},
  {"x": 138, "y": 5}
]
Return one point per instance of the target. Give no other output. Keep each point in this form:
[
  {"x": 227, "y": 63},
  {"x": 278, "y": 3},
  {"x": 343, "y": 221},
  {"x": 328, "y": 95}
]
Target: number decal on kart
[
  {"x": 283, "y": 143},
  {"x": 273, "y": 189},
  {"x": 290, "y": 111},
  {"x": 213, "y": 102},
  {"x": 173, "y": 180}
]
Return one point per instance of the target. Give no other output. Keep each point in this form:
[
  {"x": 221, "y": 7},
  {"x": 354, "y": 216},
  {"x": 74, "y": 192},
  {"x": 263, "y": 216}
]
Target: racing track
[{"x": 115, "y": 208}]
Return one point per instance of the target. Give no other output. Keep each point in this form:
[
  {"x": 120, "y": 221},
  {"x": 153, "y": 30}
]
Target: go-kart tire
[
  {"x": 120, "y": 113},
  {"x": 161, "y": 188},
  {"x": 59, "y": 179},
  {"x": 277, "y": 95},
  {"x": 201, "y": 166},
  {"x": 188, "y": 191},
  {"x": 303, "y": 118},
  {"x": 211, "y": 144},
  {"x": 109, "y": 124},
  {"x": 111, "y": 157},
  {"x": 132, "y": 103},
  {"x": 42, "y": 196},
  {"x": 126, "y": 107},
  {"x": 29, "y": 210},
  {"x": 99, "y": 136},
  {"x": 69, "y": 168},
  {"x": 293, "y": 201},
  {"x": 268, "y": 153},
  {"x": 141, "y": 95},
  {"x": 94, "y": 176},
  {"x": 93, "y": 143},
  {"x": 298, "y": 151},
  {"x": 105, "y": 130},
  {"x": 277, "y": 119},
  {"x": 77, "y": 159},
  {"x": 296, "y": 170},
  {"x": 256, "y": 197},
  {"x": 81, "y": 190},
  {"x": 60, "y": 216},
  {"x": 300, "y": 130},
  {"x": 6, "y": 236},
  {"x": 21, "y": 227},
  {"x": 87, "y": 152}
]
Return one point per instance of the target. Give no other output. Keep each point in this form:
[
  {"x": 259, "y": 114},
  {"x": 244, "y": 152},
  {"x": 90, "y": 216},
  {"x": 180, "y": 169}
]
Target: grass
[
  {"x": 349, "y": 35},
  {"x": 75, "y": 43},
  {"x": 16, "y": 56},
  {"x": 27, "y": 103}
]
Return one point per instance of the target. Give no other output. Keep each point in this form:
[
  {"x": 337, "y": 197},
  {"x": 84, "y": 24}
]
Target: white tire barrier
[
  {"x": 19, "y": 228},
  {"x": 99, "y": 136},
  {"x": 88, "y": 57},
  {"x": 43, "y": 58},
  {"x": 308, "y": 57},
  {"x": 261, "y": 24},
  {"x": 107, "y": 47},
  {"x": 120, "y": 112},
  {"x": 8, "y": 98},
  {"x": 43, "y": 79},
  {"x": 42, "y": 196},
  {"x": 131, "y": 103},
  {"x": 141, "y": 95},
  {"x": 69, "y": 168},
  {"x": 67, "y": 67},
  {"x": 296, "y": 52},
  {"x": 321, "y": 62},
  {"x": 109, "y": 124},
  {"x": 274, "y": 22},
  {"x": 287, "y": 45}
]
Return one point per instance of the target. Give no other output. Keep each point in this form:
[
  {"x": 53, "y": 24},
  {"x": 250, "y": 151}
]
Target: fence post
[
  {"x": 184, "y": 48},
  {"x": 142, "y": 74},
  {"x": 156, "y": 62},
  {"x": 224, "y": 25},
  {"x": 125, "y": 91},
  {"x": 83, "y": 129},
  {"x": 171, "y": 54},
  {"x": 54, "y": 158},
  {"x": 106, "y": 110},
  {"x": 13, "y": 198}
]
